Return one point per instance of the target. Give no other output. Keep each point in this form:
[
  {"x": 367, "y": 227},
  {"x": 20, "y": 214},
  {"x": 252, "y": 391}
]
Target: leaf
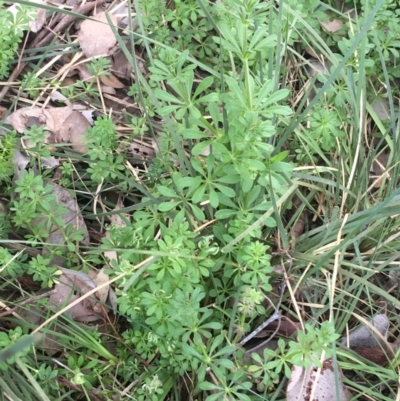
[
  {"x": 213, "y": 197},
  {"x": 208, "y": 386},
  {"x": 279, "y": 157},
  {"x": 96, "y": 36},
  {"x": 226, "y": 363},
  {"x": 281, "y": 110},
  {"x": 199, "y": 194},
  {"x": 191, "y": 133},
  {"x": 307, "y": 385},
  {"x": 165, "y": 191},
  {"x": 163, "y": 111},
  {"x": 197, "y": 213},
  {"x": 265, "y": 43},
  {"x": 191, "y": 351},
  {"x": 230, "y": 179},
  {"x": 211, "y": 97},
  {"x": 276, "y": 97},
  {"x": 167, "y": 206},
  {"x": 229, "y": 192},
  {"x": 225, "y": 214},
  {"x": 163, "y": 95},
  {"x": 332, "y": 25},
  {"x": 189, "y": 182},
  {"x": 199, "y": 148},
  {"x": 69, "y": 283},
  {"x": 281, "y": 167},
  {"x": 194, "y": 112},
  {"x": 204, "y": 84},
  {"x": 234, "y": 87}
]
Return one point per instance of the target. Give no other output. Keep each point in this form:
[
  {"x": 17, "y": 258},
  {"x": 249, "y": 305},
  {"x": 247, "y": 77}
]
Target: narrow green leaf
[{"x": 167, "y": 206}]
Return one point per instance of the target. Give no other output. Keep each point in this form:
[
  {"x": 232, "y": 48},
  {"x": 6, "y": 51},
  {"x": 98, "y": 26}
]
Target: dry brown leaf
[
  {"x": 96, "y": 37},
  {"x": 59, "y": 114},
  {"x": 108, "y": 90},
  {"x": 73, "y": 217},
  {"x": 63, "y": 123},
  {"x": 65, "y": 295},
  {"x": 58, "y": 97},
  {"x": 21, "y": 119},
  {"x": 332, "y": 25},
  {"x": 20, "y": 162},
  {"x": 142, "y": 151},
  {"x": 102, "y": 278},
  {"x": 120, "y": 65},
  {"x": 73, "y": 131},
  {"x": 112, "y": 82},
  {"x": 83, "y": 72},
  {"x": 37, "y": 24},
  {"x": 306, "y": 385}
]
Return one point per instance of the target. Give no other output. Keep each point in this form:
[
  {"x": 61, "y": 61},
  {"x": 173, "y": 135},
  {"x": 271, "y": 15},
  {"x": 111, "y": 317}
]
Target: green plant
[
  {"x": 98, "y": 67},
  {"x": 200, "y": 234},
  {"x": 231, "y": 175},
  {"x": 13, "y": 24},
  {"x": 11, "y": 338},
  {"x": 41, "y": 271},
  {"x": 33, "y": 84}
]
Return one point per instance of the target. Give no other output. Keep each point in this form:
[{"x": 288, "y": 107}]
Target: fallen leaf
[
  {"x": 112, "y": 82},
  {"x": 59, "y": 115},
  {"x": 120, "y": 65},
  {"x": 306, "y": 385},
  {"x": 376, "y": 355},
  {"x": 73, "y": 130},
  {"x": 64, "y": 124},
  {"x": 315, "y": 67},
  {"x": 142, "y": 151},
  {"x": 49, "y": 162},
  {"x": 96, "y": 37},
  {"x": 37, "y": 24},
  {"x": 332, "y": 25},
  {"x": 100, "y": 279},
  {"x": 58, "y": 97},
  {"x": 108, "y": 90},
  {"x": 82, "y": 70},
  {"x": 20, "y": 162},
  {"x": 65, "y": 295},
  {"x": 73, "y": 216},
  {"x": 20, "y": 118}
]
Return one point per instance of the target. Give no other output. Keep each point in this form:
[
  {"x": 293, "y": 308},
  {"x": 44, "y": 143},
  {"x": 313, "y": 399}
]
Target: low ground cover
[{"x": 199, "y": 200}]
